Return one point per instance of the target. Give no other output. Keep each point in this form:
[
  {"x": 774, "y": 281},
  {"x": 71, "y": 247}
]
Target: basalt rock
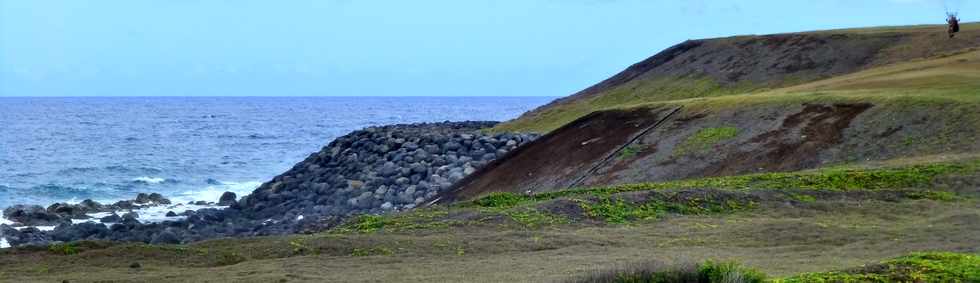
[
  {"x": 227, "y": 199},
  {"x": 379, "y": 169},
  {"x": 33, "y": 215}
]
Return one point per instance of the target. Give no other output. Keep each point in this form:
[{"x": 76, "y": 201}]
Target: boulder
[
  {"x": 86, "y": 230},
  {"x": 112, "y": 218},
  {"x": 132, "y": 215},
  {"x": 25, "y": 237},
  {"x": 227, "y": 199},
  {"x": 165, "y": 237},
  {"x": 32, "y": 215}
]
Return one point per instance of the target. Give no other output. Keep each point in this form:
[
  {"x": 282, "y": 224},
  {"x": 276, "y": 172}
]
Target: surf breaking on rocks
[{"x": 370, "y": 171}]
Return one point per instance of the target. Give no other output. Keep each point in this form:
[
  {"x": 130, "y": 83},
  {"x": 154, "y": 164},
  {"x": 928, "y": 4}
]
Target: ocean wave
[
  {"x": 153, "y": 180},
  {"x": 249, "y": 136},
  {"x": 111, "y": 168},
  {"x": 213, "y": 192},
  {"x": 77, "y": 170},
  {"x": 4, "y": 220}
]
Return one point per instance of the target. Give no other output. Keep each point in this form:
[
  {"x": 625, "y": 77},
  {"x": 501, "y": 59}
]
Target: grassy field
[{"x": 782, "y": 224}]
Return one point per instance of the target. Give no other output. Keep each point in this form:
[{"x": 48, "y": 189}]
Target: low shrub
[{"x": 707, "y": 272}]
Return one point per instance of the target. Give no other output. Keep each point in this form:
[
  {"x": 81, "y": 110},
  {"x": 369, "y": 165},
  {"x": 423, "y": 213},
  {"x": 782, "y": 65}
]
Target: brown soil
[
  {"x": 773, "y": 138},
  {"x": 563, "y": 157},
  {"x": 819, "y": 127}
]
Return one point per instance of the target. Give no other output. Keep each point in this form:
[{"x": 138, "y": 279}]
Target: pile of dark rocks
[
  {"x": 380, "y": 169},
  {"x": 370, "y": 171},
  {"x": 61, "y": 213}
]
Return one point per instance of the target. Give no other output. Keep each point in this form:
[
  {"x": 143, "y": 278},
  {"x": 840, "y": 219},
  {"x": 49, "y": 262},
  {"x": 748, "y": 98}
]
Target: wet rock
[
  {"x": 132, "y": 215},
  {"x": 70, "y": 211},
  {"x": 25, "y": 237},
  {"x": 112, "y": 218},
  {"x": 153, "y": 198},
  {"x": 32, "y": 215},
  {"x": 165, "y": 237},
  {"x": 86, "y": 230},
  {"x": 227, "y": 199}
]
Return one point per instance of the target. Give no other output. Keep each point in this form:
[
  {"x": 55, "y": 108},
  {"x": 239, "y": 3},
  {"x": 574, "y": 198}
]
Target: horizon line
[{"x": 269, "y": 96}]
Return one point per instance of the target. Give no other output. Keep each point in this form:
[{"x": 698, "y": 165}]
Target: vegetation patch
[
  {"x": 629, "y": 151},
  {"x": 501, "y": 200},
  {"x": 533, "y": 219},
  {"x": 704, "y": 139},
  {"x": 833, "y": 179},
  {"x": 802, "y": 198},
  {"x": 374, "y": 251},
  {"x": 917, "y": 267},
  {"x": 709, "y": 271},
  {"x": 620, "y": 211},
  {"x": 420, "y": 219},
  {"x": 933, "y": 195},
  {"x": 63, "y": 249}
]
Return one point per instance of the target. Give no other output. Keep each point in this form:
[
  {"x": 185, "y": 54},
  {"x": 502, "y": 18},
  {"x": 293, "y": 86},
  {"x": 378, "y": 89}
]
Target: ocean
[{"x": 109, "y": 149}]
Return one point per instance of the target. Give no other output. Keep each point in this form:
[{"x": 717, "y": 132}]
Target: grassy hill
[
  {"x": 747, "y": 65},
  {"x": 922, "y": 107}
]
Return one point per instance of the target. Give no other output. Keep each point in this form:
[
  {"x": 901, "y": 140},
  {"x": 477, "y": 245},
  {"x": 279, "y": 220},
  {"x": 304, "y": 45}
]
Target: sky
[{"x": 383, "y": 47}]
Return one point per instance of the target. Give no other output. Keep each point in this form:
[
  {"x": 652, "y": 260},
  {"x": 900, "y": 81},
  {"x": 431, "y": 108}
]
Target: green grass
[
  {"x": 621, "y": 212},
  {"x": 917, "y": 267},
  {"x": 833, "y": 179},
  {"x": 532, "y": 218},
  {"x": 708, "y": 271},
  {"x": 704, "y": 139},
  {"x": 374, "y": 251},
  {"x": 500, "y": 199},
  {"x": 63, "y": 249},
  {"x": 419, "y": 219},
  {"x": 629, "y": 151}
]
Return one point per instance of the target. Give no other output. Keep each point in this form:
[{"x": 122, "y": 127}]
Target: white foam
[
  {"x": 150, "y": 180},
  {"x": 213, "y": 193},
  {"x": 158, "y": 213},
  {"x": 3, "y": 241},
  {"x": 3, "y": 219},
  {"x": 42, "y": 228}
]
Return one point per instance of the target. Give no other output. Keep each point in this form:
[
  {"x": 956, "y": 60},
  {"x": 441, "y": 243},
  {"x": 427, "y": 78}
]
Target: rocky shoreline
[{"x": 371, "y": 171}]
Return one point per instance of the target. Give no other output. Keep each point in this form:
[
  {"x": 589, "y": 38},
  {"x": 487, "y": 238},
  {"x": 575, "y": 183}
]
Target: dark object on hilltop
[
  {"x": 135, "y": 265},
  {"x": 954, "y": 24}
]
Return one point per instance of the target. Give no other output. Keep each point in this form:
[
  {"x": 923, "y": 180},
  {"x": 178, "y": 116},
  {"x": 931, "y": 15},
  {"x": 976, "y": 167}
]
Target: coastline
[{"x": 374, "y": 170}]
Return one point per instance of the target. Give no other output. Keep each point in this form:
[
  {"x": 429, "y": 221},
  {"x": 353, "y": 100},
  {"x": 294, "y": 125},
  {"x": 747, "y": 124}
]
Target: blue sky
[{"x": 381, "y": 48}]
